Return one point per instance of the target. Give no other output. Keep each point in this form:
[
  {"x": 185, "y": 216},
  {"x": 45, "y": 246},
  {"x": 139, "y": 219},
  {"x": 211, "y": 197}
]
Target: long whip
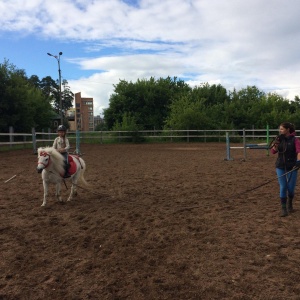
[
  {"x": 263, "y": 184},
  {"x": 241, "y": 193}
]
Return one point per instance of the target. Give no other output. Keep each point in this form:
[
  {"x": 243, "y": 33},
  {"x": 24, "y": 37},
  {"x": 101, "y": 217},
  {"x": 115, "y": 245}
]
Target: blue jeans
[
  {"x": 287, "y": 183},
  {"x": 65, "y": 155}
]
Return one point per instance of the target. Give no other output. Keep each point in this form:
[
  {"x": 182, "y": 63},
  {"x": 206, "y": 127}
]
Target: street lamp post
[{"x": 59, "y": 74}]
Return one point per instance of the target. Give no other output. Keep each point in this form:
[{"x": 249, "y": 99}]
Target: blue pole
[
  {"x": 77, "y": 142},
  {"x": 228, "y": 147}
]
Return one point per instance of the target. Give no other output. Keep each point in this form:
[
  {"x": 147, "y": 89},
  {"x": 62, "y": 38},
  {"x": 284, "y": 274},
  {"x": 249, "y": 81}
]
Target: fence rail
[{"x": 36, "y": 139}]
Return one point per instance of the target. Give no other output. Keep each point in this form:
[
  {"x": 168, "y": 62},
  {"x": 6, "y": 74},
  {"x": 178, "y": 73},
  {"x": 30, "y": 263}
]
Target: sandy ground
[{"x": 159, "y": 221}]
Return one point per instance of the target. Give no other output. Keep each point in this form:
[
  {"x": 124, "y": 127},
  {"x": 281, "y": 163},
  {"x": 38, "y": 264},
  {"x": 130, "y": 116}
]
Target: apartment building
[
  {"x": 84, "y": 113},
  {"x": 70, "y": 116},
  {"x": 98, "y": 120}
]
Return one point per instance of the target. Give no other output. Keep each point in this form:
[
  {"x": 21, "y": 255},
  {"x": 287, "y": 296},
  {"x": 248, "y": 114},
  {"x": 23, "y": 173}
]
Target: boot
[
  {"x": 284, "y": 211},
  {"x": 67, "y": 175},
  {"x": 290, "y": 205}
]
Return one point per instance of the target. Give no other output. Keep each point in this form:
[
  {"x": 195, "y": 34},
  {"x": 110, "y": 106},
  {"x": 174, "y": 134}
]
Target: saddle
[{"x": 72, "y": 165}]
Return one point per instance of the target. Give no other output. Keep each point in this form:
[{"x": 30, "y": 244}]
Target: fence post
[
  {"x": 244, "y": 143},
  {"x": 24, "y": 140},
  {"x": 268, "y": 139},
  {"x": 33, "y": 140},
  {"x": 11, "y": 137},
  {"x": 43, "y": 143}
]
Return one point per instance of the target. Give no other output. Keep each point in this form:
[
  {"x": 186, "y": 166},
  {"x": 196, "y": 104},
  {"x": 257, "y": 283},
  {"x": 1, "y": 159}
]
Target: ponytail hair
[{"x": 288, "y": 125}]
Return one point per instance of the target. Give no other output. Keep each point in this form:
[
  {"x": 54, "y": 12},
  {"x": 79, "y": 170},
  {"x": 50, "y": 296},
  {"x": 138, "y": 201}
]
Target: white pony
[{"x": 51, "y": 165}]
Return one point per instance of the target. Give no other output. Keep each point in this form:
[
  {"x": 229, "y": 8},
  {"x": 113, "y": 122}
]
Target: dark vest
[{"x": 287, "y": 155}]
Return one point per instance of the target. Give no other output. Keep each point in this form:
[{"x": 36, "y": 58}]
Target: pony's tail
[{"x": 81, "y": 178}]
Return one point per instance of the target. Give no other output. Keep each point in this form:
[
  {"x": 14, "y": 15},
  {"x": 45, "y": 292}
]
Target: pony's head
[{"x": 49, "y": 157}]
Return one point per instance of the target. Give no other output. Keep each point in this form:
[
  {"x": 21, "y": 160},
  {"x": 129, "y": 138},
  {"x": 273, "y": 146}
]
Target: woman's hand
[{"x": 297, "y": 165}]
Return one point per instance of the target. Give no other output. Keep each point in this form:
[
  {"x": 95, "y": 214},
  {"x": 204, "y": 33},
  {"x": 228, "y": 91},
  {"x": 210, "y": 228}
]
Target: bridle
[{"x": 45, "y": 154}]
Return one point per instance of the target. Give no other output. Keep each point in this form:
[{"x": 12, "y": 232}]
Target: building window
[{"x": 77, "y": 104}]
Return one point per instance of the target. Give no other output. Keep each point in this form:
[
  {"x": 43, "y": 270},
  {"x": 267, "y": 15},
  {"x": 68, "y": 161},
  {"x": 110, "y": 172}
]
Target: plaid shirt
[{"x": 60, "y": 142}]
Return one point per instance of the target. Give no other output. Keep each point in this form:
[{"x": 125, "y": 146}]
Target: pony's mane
[{"x": 58, "y": 159}]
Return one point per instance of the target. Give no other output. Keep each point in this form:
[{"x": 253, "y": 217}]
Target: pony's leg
[
  {"x": 58, "y": 189},
  {"x": 71, "y": 193},
  {"x": 73, "y": 188},
  {"x": 45, "y": 184}
]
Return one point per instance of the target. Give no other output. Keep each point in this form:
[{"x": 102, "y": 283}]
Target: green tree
[
  {"x": 22, "y": 105},
  {"x": 128, "y": 123},
  {"x": 35, "y": 81},
  {"x": 147, "y": 100},
  {"x": 187, "y": 114},
  {"x": 239, "y": 110},
  {"x": 49, "y": 88},
  {"x": 67, "y": 96},
  {"x": 211, "y": 94}
]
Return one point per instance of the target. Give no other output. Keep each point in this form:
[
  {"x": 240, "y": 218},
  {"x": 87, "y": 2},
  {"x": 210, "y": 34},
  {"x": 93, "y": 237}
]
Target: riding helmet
[{"x": 61, "y": 128}]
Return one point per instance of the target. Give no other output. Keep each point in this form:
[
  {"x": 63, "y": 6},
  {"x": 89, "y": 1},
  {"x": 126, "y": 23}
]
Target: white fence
[{"x": 36, "y": 139}]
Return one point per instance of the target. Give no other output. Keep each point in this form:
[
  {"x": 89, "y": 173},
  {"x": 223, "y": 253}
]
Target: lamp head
[{"x": 60, "y": 53}]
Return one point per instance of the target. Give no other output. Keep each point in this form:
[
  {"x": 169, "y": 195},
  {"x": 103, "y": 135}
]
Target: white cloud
[
  {"x": 235, "y": 43},
  {"x": 129, "y": 68}
]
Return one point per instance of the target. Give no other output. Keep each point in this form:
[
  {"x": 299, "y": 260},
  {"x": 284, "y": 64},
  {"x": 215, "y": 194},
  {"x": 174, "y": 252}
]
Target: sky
[{"x": 235, "y": 43}]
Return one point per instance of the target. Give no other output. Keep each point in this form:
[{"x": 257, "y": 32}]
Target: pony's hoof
[{"x": 43, "y": 205}]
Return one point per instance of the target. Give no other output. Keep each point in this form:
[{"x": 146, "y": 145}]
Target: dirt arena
[{"x": 162, "y": 221}]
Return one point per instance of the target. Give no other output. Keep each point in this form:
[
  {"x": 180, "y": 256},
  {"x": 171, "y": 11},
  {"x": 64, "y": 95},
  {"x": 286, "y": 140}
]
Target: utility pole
[{"x": 59, "y": 76}]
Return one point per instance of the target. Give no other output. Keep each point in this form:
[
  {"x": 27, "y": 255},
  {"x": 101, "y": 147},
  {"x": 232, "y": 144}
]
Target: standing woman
[
  {"x": 287, "y": 146},
  {"x": 62, "y": 145}
]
